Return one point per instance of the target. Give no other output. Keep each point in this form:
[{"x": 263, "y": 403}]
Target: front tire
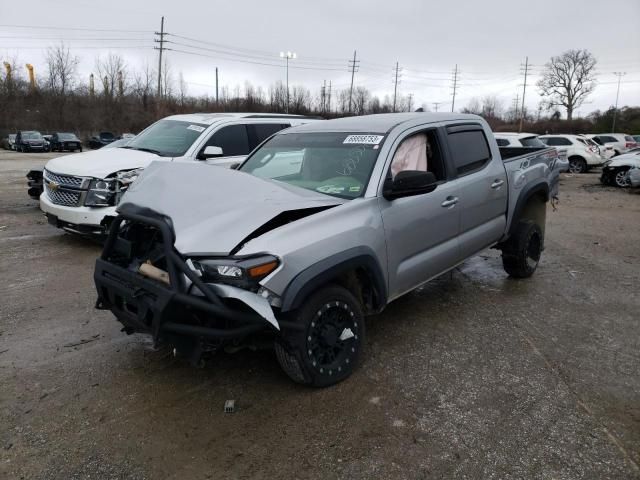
[
  {"x": 619, "y": 178},
  {"x": 327, "y": 349},
  {"x": 521, "y": 253}
]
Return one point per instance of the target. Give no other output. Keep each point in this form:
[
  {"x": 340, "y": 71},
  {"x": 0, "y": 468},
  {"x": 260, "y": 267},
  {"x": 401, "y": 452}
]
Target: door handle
[
  {"x": 449, "y": 202},
  {"x": 497, "y": 184}
]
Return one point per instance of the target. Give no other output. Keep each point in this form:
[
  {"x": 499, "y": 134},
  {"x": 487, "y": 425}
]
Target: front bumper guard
[{"x": 147, "y": 306}]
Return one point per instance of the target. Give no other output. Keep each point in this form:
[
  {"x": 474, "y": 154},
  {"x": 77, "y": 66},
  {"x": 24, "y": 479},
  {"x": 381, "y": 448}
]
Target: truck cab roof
[{"x": 211, "y": 118}]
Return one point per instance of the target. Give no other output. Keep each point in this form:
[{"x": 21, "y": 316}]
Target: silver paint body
[{"x": 414, "y": 239}]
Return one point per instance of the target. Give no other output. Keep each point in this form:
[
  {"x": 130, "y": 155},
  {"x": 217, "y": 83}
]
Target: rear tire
[
  {"x": 327, "y": 349},
  {"x": 577, "y": 165},
  {"x": 521, "y": 253}
]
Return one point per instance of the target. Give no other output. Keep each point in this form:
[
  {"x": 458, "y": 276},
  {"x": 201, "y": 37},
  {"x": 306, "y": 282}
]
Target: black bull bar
[{"x": 148, "y": 306}]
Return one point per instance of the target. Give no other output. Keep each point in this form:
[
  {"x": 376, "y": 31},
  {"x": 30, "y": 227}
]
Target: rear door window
[
  {"x": 531, "y": 142},
  {"x": 502, "y": 142},
  {"x": 556, "y": 141},
  {"x": 469, "y": 150},
  {"x": 259, "y": 132},
  {"x": 233, "y": 140},
  {"x": 607, "y": 139}
]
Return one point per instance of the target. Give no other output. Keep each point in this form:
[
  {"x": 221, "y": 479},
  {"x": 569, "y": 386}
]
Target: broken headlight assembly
[
  {"x": 107, "y": 192},
  {"x": 101, "y": 193},
  {"x": 242, "y": 272}
]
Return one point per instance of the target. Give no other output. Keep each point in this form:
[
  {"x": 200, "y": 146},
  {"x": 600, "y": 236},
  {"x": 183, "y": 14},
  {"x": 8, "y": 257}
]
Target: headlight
[
  {"x": 241, "y": 272},
  {"x": 101, "y": 193}
]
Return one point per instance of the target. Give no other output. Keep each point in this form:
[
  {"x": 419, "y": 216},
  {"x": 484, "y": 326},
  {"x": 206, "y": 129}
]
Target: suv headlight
[
  {"x": 128, "y": 177},
  {"x": 101, "y": 193},
  {"x": 242, "y": 272}
]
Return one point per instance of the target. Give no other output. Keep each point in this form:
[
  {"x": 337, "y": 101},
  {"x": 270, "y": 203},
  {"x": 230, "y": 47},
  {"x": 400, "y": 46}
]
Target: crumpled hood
[
  {"x": 100, "y": 163},
  {"x": 213, "y": 209}
]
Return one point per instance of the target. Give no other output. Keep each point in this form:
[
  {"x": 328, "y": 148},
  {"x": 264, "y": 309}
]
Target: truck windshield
[
  {"x": 168, "y": 138},
  {"x": 336, "y": 164}
]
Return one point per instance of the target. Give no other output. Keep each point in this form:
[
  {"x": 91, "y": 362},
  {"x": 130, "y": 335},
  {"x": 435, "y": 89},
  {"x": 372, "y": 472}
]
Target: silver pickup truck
[{"x": 322, "y": 225}]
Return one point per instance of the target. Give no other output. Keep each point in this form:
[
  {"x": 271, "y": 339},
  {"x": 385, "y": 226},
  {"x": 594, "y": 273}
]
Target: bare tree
[
  {"x": 110, "y": 70},
  {"x": 61, "y": 69},
  {"x": 568, "y": 79},
  {"x": 473, "y": 107},
  {"x": 491, "y": 107},
  {"x": 361, "y": 98}
]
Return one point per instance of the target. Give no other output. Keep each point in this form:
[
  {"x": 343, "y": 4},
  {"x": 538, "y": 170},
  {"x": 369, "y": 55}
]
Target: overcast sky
[{"x": 488, "y": 40}]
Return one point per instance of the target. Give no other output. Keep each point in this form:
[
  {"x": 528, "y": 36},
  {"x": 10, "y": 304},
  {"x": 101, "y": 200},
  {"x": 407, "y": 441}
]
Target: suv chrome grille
[
  {"x": 64, "y": 180},
  {"x": 67, "y": 198}
]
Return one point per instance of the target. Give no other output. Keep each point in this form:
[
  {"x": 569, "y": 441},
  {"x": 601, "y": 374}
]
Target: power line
[
  {"x": 619, "y": 75},
  {"x": 524, "y": 90},
  {"x": 395, "y": 86},
  {"x": 353, "y": 65},
  {"x": 455, "y": 87},
  {"x": 76, "y": 28},
  {"x": 161, "y": 41}
]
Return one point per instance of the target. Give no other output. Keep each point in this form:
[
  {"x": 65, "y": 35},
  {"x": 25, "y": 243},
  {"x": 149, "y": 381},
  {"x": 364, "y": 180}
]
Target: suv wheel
[
  {"x": 327, "y": 349},
  {"x": 619, "y": 179},
  {"x": 521, "y": 253},
  {"x": 577, "y": 165}
]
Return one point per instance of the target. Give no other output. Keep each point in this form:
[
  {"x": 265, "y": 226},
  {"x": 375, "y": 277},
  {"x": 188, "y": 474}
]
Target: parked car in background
[
  {"x": 620, "y": 142},
  {"x": 636, "y": 138},
  {"x": 127, "y": 135},
  {"x": 82, "y": 190},
  {"x": 615, "y": 170},
  {"x": 47, "y": 142},
  {"x": 514, "y": 139},
  {"x": 100, "y": 140},
  {"x": 65, "y": 141},
  {"x": 582, "y": 153},
  {"x": 633, "y": 176},
  {"x": 30, "y": 141},
  {"x": 123, "y": 142},
  {"x": 9, "y": 142},
  {"x": 322, "y": 225}
]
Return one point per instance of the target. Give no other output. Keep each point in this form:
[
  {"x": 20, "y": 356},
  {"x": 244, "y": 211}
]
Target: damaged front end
[{"x": 195, "y": 305}]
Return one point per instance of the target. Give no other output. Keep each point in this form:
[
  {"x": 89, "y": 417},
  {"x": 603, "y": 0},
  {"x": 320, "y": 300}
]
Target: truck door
[
  {"x": 482, "y": 180},
  {"x": 421, "y": 231}
]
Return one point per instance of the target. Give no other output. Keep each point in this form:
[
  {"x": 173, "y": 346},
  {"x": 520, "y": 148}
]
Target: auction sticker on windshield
[
  {"x": 197, "y": 128},
  {"x": 364, "y": 139}
]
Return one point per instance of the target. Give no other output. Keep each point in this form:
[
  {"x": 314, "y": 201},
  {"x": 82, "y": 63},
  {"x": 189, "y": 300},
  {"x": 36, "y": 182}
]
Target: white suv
[
  {"x": 512, "y": 139},
  {"x": 621, "y": 142},
  {"x": 582, "y": 153},
  {"x": 82, "y": 190}
]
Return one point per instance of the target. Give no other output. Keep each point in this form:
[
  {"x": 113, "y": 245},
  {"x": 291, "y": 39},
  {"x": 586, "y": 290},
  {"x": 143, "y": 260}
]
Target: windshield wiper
[{"x": 142, "y": 149}]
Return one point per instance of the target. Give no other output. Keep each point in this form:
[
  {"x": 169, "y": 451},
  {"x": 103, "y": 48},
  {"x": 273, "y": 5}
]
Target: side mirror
[
  {"x": 211, "y": 152},
  {"x": 408, "y": 183}
]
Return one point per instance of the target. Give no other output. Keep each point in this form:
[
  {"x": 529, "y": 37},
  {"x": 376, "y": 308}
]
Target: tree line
[{"x": 119, "y": 98}]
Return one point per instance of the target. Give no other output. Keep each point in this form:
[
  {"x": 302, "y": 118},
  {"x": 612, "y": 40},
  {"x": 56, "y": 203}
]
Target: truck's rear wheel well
[{"x": 534, "y": 209}]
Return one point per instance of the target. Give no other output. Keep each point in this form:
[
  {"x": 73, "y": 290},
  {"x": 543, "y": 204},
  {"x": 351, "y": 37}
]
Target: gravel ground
[{"x": 473, "y": 376}]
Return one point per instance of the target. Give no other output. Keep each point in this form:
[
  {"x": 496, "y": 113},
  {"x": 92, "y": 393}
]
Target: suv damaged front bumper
[{"x": 180, "y": 310}]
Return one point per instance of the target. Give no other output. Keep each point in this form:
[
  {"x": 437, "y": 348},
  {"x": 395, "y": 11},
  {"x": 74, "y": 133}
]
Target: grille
[
  {"x": 67, "y": 198},
  {"x": 64, "y": 180}
]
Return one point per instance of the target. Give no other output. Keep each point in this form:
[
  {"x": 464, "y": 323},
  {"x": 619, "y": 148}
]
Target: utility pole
[
  {"x": 455, "y": 87},
  {"x": 435, "y": 105},
  {"x": 524, "y": 90},
  {"x": 287, "y": 56},
  {"x": 615, "y": 112},
  {"x": 329, "y": 98},
  {"x": 410, "y": 100},
  {"x": 516, "y": 102},
  {"x": 323, "y": 97},
  {"x": 161, "y": 34},
  {"x": 395, "y": 87},
  {"x": 216, "y": 86},
  {"x": 353, "y": 64}
]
